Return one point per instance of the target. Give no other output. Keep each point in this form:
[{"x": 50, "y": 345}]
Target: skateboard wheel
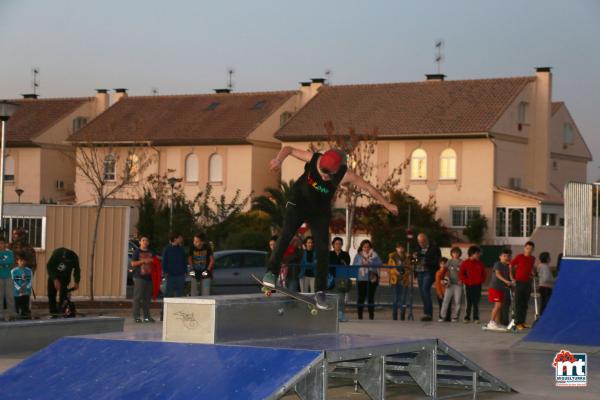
[
  {"x": 268, "y": 293},
  {"x": 314, "y": 312}
]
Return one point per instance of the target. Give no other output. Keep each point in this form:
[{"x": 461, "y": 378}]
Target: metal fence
[{"x": 581, "y": 219}]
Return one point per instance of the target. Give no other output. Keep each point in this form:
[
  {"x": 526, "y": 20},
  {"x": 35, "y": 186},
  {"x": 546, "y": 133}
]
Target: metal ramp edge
[{"x": 430, "y": 366}]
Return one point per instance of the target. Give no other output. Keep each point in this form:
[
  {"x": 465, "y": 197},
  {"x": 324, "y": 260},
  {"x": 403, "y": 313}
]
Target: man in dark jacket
[
  {"x": 428, "y": 256},
  {"x": 174, "y": 266},
  {"x": 62, "y": 263}
]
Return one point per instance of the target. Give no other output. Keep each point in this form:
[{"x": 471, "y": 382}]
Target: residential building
[
  {"x": 39, "y": 163},
  {"x": 222, "y": 139},
  {"x": 497, "y": 147}
]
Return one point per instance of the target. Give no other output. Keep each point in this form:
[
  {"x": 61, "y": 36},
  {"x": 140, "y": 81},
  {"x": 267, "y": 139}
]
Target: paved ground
[{"x": 526, "y": 368}]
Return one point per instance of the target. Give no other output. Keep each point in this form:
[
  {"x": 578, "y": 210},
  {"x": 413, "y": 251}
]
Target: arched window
[
  {"x": 191, "y": 168},
  {"x": 215, "y": 168},
  {"x": 418, "y": 165},
  {"x": 110, "y": 163},
  {"x": 448, "y": 164},
  {"x": 9, "y": 169},
  {"x": 132, "y": 168}
]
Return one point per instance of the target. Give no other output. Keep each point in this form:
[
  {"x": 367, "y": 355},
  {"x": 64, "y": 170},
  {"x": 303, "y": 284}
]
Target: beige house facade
[
  {"x": 38, "y": 160},
  {"x": 497, "y": 147},
  {"x": 223, "y": 139}
]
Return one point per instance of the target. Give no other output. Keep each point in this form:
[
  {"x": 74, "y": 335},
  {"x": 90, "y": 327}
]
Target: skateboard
[{"x": 308, "y": 300}]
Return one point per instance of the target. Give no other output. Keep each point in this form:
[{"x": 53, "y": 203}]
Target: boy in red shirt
[
  {"x": 521, "y": 272},
  {"x": 472, "y": 274}
]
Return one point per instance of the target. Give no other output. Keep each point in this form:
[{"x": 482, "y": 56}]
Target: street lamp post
[{"x": 7, "y": 109}]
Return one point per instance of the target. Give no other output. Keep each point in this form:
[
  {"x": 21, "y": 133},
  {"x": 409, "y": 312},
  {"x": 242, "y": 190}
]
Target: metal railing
[{"x": 581, "y": 233}]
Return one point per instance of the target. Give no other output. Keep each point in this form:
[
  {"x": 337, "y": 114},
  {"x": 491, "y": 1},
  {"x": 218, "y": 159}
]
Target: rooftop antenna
[
  {"x": 439, "y": 57},
  {"x": 328, "y": 75},
  {"x": 35, "y": 82},
  {"x": 230, "y": 72},
  {"x": 154, "y": 91}
]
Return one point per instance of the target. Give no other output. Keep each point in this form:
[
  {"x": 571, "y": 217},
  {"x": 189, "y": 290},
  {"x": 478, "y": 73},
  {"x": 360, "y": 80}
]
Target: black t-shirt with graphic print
[{"x": 311, "y": 193}]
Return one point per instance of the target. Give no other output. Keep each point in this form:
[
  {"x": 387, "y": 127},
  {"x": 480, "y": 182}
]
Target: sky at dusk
[{"x": 187, "y": 46}]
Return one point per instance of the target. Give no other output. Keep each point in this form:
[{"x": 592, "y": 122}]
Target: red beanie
[{"x": 331, "y": 160}]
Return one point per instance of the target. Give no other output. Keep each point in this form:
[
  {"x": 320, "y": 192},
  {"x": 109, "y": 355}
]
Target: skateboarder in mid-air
[{"x": 310, "y": 201}]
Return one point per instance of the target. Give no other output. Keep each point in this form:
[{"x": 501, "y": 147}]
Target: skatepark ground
[{"x": 524, "y": 366}]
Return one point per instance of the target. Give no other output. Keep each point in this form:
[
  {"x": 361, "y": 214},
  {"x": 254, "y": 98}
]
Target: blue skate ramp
[
  {"x": 79, "y": 368},
  {"x": 572, "y": 315}
]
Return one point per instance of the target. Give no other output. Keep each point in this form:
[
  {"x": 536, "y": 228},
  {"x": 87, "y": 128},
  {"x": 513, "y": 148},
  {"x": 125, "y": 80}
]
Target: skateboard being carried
[{"x": 308, "y": 300}]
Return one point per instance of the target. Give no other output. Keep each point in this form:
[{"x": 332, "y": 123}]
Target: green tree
[
  {"x": 476, "y": 228},
  {"x": 273, "y": 203},
  {"x": 387, "y": 229}
]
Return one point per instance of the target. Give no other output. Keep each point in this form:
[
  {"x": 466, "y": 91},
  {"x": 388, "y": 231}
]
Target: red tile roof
[
  {"x": 36, "y": 116},
  {"x": 556, "y": 105},
  {"x": 403, "y": 109},
  {"x": 183, "y": 119}
]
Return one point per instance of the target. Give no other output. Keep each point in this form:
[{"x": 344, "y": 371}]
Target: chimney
[
  {"x": 225, "y": 90},
  {"x": 435, "y": 77},
  {"x": 30, "y": 96},
  {"x": 315, "y": 85},
  {"x": 120, "y": 93},
  {"x": 539, "y": 132},
  {"x": 102, "y": 100}
]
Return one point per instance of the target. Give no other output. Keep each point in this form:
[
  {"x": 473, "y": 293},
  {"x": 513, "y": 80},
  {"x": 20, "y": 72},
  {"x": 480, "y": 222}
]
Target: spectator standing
[
  {"x": 7, "y": 260},
  {"x": 472, "y": 274},
  {"x": 368, "y": 277},
  {"x": 20, "y": 244},
  {"x": 307, "y": 266},
  {"x": 500, "y": 285},
  {"x": 453, "y": 292},
  {"x": 546, "y": 280},
  {"x": 202, "y": 260},
  {"x": 428, "y": 255},
  {"x": 141, "y": 262},
  {"x": 398, "y": 275},
  {"x": 440, "y": 288},
  {"x": 63, "y": 264},
  {"x": 339, "y": 257},
  {"x": 174, "y": 266},
  {"x": 21, "y": 276},
  {"x": 522, "y": 269}
]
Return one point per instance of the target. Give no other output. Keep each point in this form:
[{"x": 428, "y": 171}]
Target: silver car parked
[{"x": 233, "y": 268}]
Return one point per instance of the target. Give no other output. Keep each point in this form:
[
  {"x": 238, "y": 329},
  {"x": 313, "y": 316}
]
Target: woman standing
[
  {"x": 142, "y": 280},
  {"x": 368, "y": 276}
]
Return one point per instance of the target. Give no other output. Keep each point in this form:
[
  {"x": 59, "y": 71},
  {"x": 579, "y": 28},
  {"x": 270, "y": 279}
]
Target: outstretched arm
[
  {"x": 359, "y": 182},
  {"x": 285, "y": 151}
]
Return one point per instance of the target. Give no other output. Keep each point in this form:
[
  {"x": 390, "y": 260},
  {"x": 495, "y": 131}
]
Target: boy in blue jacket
[
  {"x": 7, "y": 261},
  {"x": 21, "y": 276}
]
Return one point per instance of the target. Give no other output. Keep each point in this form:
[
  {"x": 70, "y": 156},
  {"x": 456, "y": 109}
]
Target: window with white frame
[
  {"x": 132, "y": 168},
  {"x": 192, "y": 168},
  {"x": 215, "y": 168},
  {"x": 448, "y": 164},
  {"x": 515, "y": 221},
  {"x": 9, "y": 169},
  {"x": 418, "y": 165},
  {"x": 567, "y": 134},
  {"x": 110, "y": 166},
  {"x": 461, "y": 215},
  {"x": 79, "y": 123},
  {"x": 522, "y": 117},
  {"x": 34, "y": 228}
]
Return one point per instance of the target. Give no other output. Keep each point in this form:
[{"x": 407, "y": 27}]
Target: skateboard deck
[{"x": 308, "y": 300}]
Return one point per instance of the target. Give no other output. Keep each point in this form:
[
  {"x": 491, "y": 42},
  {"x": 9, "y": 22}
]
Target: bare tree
[
  {"x": 98, "y": 165},
  {"x": 361, "y": 149}
]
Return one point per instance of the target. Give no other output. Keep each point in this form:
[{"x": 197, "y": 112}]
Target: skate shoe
[
  {"x": 269, "y": 280},
  {"x": 321, "y": 300}
]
